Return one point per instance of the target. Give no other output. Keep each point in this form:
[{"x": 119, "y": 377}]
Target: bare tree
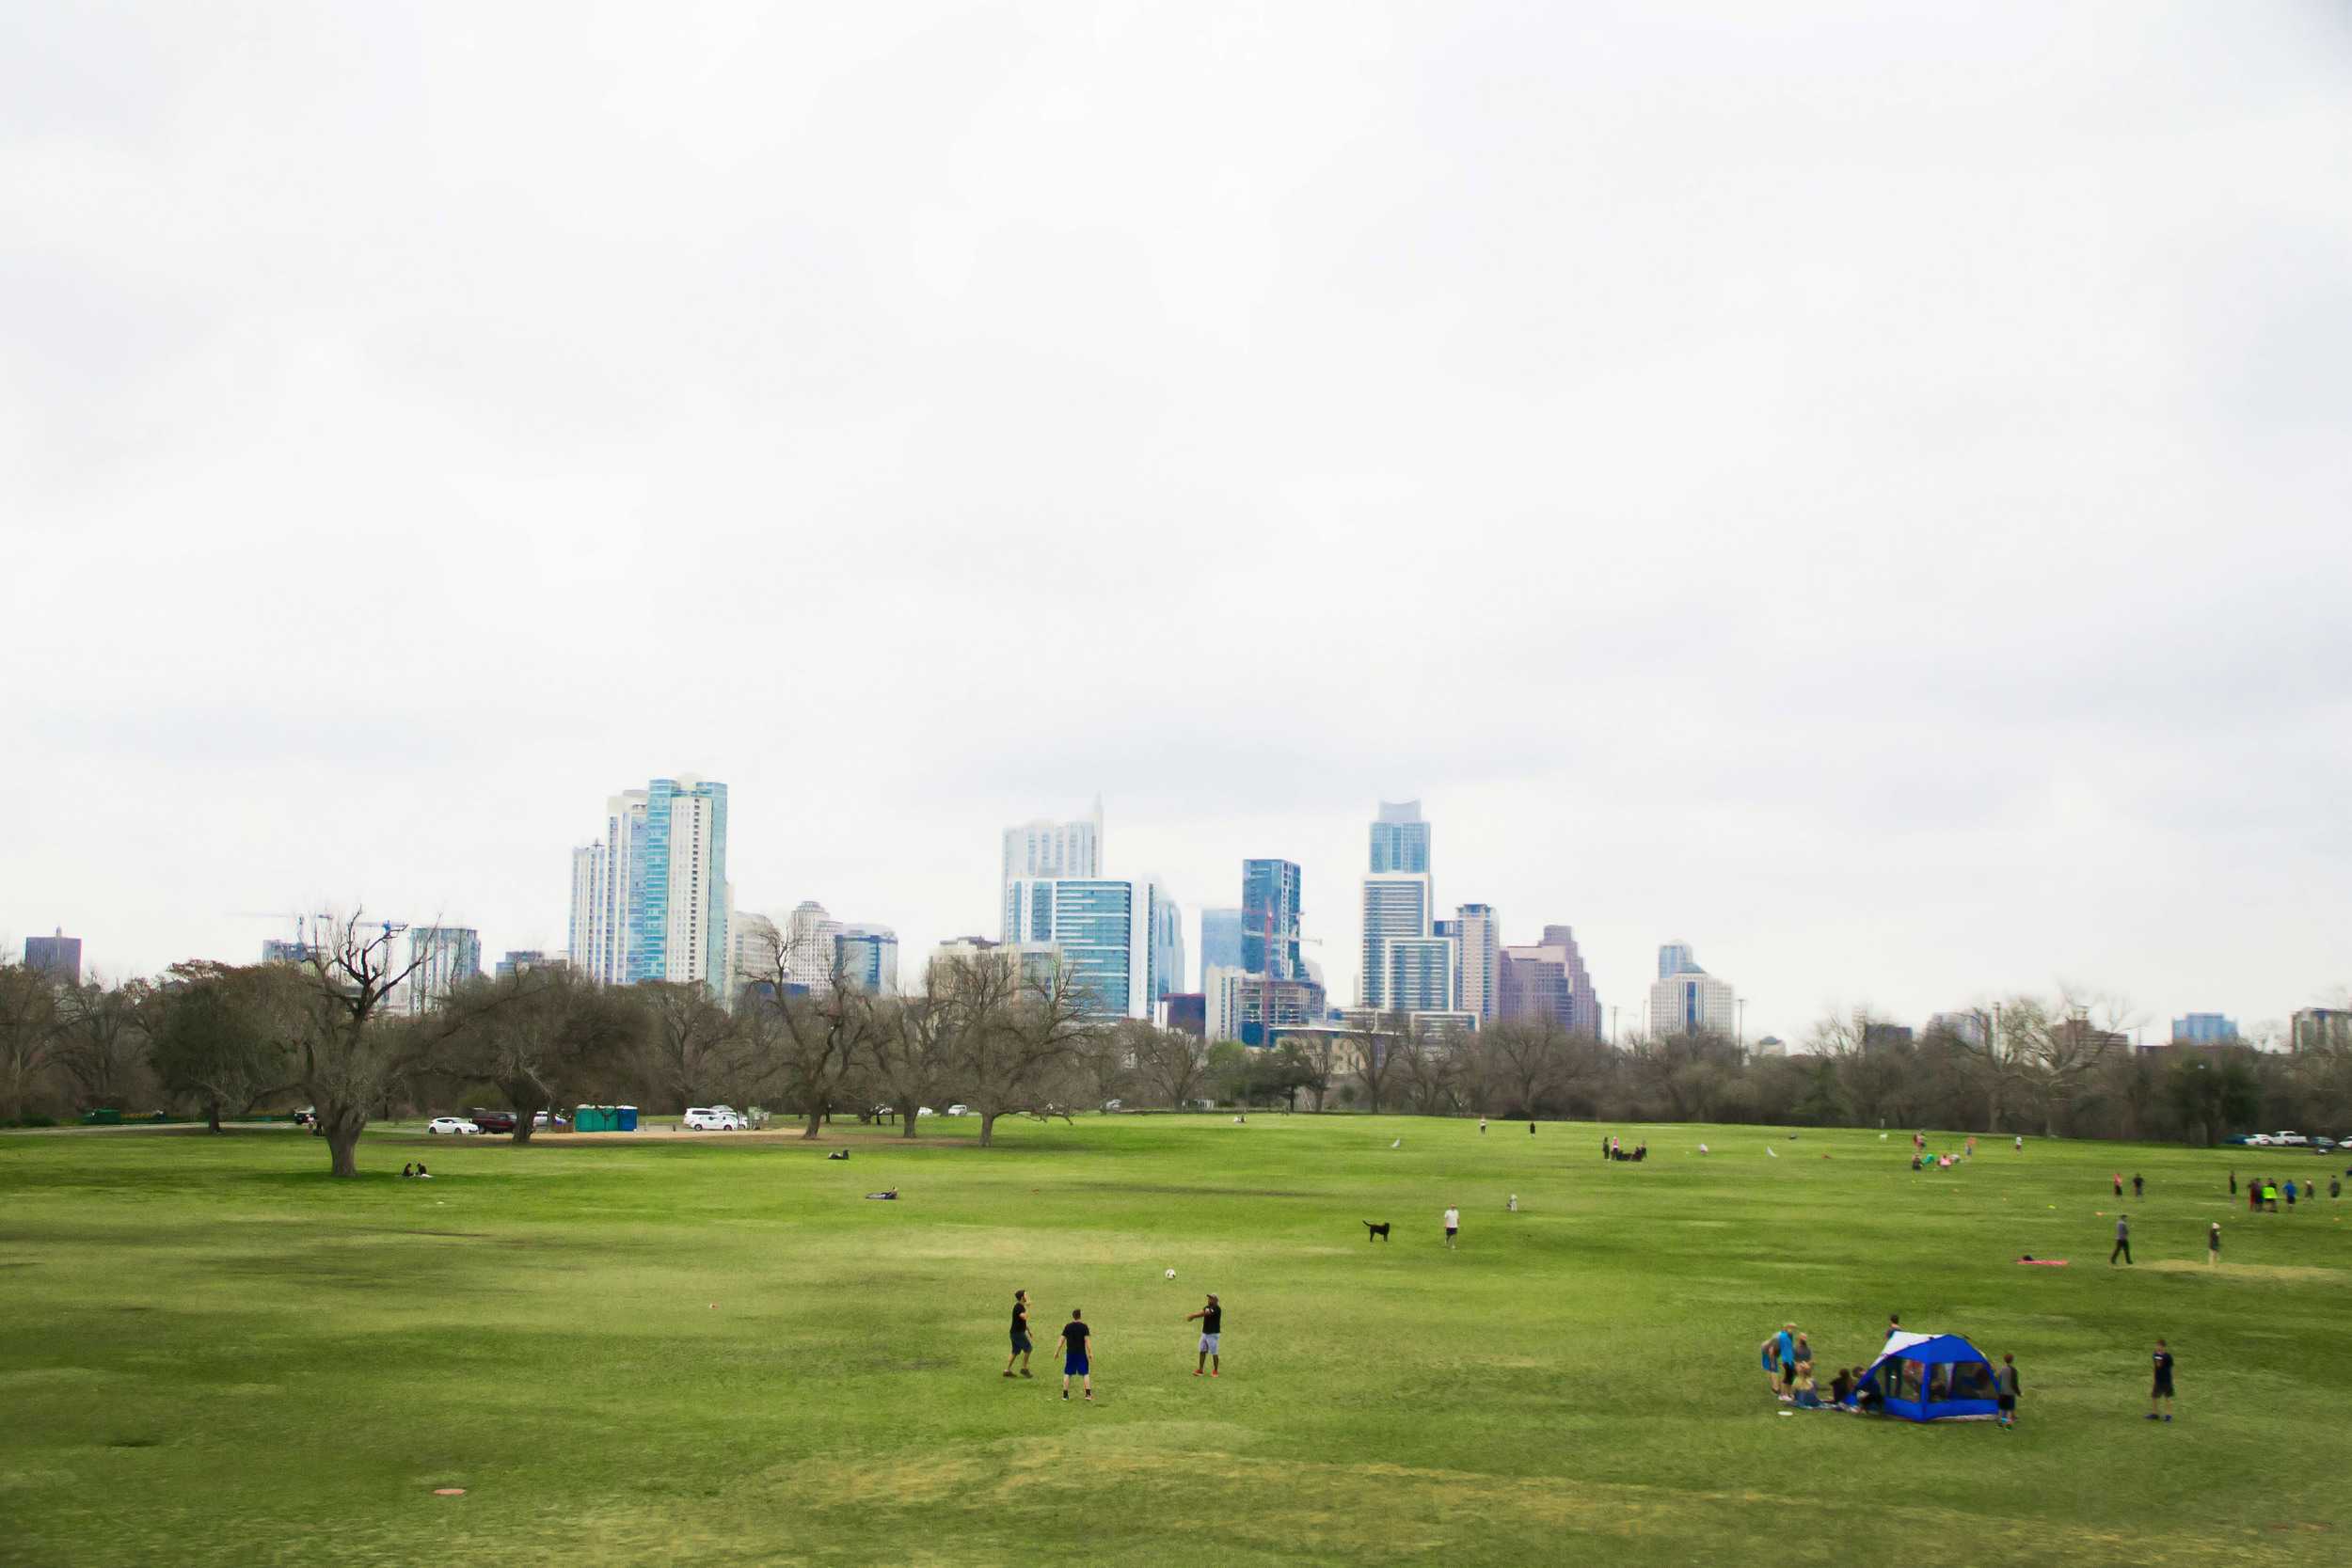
[
  {"x": 1174, "y": 1065},
  {"x": 538, "y": 1034},
  {"x": 30, "y": 1028},
  {"x": 912, "y": 1049},
  {"x": 693, "y": 1045},
  {"x": 348, "y": 1053},
  {"x": 1378, "y": 1045},
  {"x": 1024, "y": 1039},
  {"x": 1524, "y": 1059},
  {"x": 104, "y": 1043},
  {"x": 1428, "y": 1069}
]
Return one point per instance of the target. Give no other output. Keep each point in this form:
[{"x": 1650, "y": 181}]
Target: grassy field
[{"x": 715, "y": 1349}]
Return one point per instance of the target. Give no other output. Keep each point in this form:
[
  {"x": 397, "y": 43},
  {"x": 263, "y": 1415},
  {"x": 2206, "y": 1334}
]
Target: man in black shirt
[
  {"x": 1074, "y": 1356},
  {"x": 2160, "y": 1394},
  {"x": 1211, "y": 1324},
  {"x": 1019, "y": 1334}
]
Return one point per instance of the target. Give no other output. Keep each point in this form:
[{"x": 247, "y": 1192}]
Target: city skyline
[
  {"x": 2148, "y": 1015},
  {"x": 1847, "y": 488}
]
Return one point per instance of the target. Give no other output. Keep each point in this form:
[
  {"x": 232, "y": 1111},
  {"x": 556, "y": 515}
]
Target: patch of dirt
[{"x": 2308, "y": 1271}]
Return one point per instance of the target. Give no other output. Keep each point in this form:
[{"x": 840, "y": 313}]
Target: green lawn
[{"x": 717, "y": 1350}]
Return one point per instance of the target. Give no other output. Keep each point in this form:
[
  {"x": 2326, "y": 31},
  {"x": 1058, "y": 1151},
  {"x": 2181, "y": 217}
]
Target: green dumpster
[{"x": 103, "y": 1118}]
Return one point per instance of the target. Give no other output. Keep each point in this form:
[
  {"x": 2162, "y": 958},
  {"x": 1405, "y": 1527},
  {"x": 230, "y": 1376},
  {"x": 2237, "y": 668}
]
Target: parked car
[
  {"x": 457, "y": 1126},
  {"x": 958, "y": 1110},
  {"x": 924, "y": 1111},
  {"x": 549, "y": 1119},
  {"x": 712, "y": 1119},
  {"x": 1112, "y": 1104},
  {"x": 307, "y": 1116},
  {"x": 2291, "y": 1140},
  {"x": 494, "y": 1122}
]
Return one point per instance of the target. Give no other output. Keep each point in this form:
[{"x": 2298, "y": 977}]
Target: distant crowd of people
[{"x": 2262, "y": 1193}]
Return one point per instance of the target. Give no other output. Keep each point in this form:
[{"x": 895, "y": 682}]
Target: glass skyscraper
[
  {"x": 1269, "y": 909},
  {"x": 1220, "y": 941},
  {"x": 1399, "y": 839},
  {"x": 650, "y": 900},
  {"x": 1122, "y": 941}
]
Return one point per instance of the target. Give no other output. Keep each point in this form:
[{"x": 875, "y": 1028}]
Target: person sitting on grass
[
  {"x": 422, "y": 1174},
  {"x": 1842, "y": 1386},
  {"x": 1807, "y": 1399},
  {"x": 407, "y": 1171}
]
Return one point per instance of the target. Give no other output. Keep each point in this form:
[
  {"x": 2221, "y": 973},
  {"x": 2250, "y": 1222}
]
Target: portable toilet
[
  {"x": 624, "y": 1118},
  {"x": 592, "y": 1118}
]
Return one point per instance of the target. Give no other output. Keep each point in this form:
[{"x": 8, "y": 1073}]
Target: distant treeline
[{"x": 222, "y": 1042}]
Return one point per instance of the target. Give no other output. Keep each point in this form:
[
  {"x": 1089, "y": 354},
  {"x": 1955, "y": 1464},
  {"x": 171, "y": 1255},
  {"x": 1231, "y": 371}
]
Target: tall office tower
[
  {"x": 1477, "y": 983},
  {"x": 1547, "y": 980},
  {"x": 1235, "y": 1005},
  {"x": 1396, "y": 908},
  {"x": 522, "y": 960},
  {"x": 2320, "y": 1029},
  {"x": 1057, "y": 849},
  {"x": 58, "y": 957},
  {"x": 2203, "y": 1029},
  {"x": 1417, "y": 975},
  {"x": 1690, "y": 1001},
  {"x": 1115, "y": 937},
  {"x": 1220, "y": 941},
  {"x": 1399, "y": 839},
  {"x": 650, "y": 899},
  {"x": 1269, "y": 918},
  {"x": 869, "y": 959},
  {"x": 443, "y": 957},
  {"x": 755, "y": 939},
  {"x": 810, "y": 939}
]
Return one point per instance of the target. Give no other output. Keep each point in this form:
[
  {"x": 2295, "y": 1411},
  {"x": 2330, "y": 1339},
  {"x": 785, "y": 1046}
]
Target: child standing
[
  {"x": 2005, "y": 1390},
  {"x": 2213, "y": 1244}
]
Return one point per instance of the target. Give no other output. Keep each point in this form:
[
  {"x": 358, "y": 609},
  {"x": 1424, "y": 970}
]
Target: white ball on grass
[{"x": 1171, "y": 1274}]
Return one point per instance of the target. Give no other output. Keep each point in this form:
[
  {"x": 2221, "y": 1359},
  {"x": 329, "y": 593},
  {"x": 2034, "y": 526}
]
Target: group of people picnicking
[
  {"x": 415, "y": 1171},
  {"x": 1788, "y": 1364},
  {"x": 1612, "y": 1149},
  {"x": 1078, "y": 1343}
]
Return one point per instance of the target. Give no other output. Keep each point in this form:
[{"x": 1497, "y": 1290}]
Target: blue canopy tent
[{"x": 1931, "y": 1377}]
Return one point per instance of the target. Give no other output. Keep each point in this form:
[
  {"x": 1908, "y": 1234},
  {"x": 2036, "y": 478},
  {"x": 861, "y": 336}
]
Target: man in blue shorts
[
  {"x": 1212, "y": 1325},
  {"x": 1074, "y": 1356}
]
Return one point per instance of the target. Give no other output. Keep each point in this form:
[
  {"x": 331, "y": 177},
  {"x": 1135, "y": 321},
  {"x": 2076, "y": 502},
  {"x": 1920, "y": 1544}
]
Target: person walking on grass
[
  {"x": 2213, "y": 1244},
  {"x": 1074, "y": 1361},
  {"x": 2123, "y": 1248},
  {"x": 2160, "y": 1392},
  {"x": 2289, "y": 1195},
  {"x": 1785, "y": 1362},
  {"x": 1452, "y": 1223},
  {"x": 1482, "y": 1126},
  {"x": 2005, "y": 1390},
  {"x": 2137, "y": 1190},
  {"x": 1211, "y": 1324},
  {"x": 1020, "y": 1334},
  {"x": 2119, "y": 1183}
]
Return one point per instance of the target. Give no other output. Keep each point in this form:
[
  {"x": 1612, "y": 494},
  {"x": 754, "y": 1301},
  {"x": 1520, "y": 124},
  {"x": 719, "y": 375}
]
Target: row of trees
[{"x": 224, "y": 1040}]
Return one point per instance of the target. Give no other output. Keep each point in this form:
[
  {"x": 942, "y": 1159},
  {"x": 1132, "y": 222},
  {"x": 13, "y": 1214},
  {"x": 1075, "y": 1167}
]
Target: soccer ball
[{"x": 1171, "y": 1274}]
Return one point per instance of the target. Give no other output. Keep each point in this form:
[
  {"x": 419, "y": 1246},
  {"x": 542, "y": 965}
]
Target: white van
[{"x": 712, "y": 1118}]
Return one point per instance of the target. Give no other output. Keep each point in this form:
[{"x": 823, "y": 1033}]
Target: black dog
[
  {"x": 838, "y": 1154},
  {"x": 1380, "y": 1231}
]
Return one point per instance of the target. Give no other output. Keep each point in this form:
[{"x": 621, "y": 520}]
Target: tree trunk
[
  {"x": 522, "y": 1127},
  {"x": 343, "y": 1149},
  {"x": 906, "y": 1127},
  {"x": 988, "y": 1128},
  {"x": 211, "y": 1116},
  {"x": 816, "y": 1119}
]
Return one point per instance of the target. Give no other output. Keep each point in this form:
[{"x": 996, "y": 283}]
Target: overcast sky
[{"x": 1862, "y": 488}]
